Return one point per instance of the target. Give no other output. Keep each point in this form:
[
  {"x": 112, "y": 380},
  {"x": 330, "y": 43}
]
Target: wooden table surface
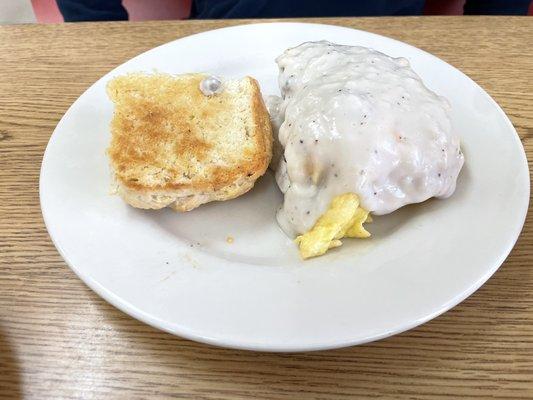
[{"x": 58, "y": 339}]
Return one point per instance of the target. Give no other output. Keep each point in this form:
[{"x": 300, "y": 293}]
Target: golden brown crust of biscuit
[{"x": 168, "y": 136}]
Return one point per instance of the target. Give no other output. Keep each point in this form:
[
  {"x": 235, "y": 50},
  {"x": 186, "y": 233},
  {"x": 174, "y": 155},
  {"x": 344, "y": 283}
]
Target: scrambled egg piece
[{"x": 344, "y": 218}]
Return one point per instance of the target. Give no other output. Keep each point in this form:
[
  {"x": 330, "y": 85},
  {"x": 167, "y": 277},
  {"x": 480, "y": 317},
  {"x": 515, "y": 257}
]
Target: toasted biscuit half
[{"x": 174, "y": 146}]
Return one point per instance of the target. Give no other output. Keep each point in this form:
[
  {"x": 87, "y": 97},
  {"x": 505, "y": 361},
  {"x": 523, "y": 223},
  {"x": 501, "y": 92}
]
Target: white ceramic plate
[{"x": 178, "y": 273}]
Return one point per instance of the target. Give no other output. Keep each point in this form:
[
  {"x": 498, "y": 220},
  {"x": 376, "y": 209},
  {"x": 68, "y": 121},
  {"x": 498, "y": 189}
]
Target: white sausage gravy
[{"x": 352, "y": 119}]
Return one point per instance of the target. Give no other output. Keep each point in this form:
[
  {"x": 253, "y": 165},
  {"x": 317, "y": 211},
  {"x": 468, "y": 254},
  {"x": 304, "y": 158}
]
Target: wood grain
[{"x": 60, "y": 340}]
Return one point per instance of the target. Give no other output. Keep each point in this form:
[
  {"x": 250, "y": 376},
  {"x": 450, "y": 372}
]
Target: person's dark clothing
[
  {"x": 204, "y": 9},
  {"x": 111, "y": 10},
  {"x": 92, "y": 10},
  {"x": 496, "y": 7}
]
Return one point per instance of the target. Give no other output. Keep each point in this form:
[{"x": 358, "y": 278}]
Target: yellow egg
[{"x": 344, "y": 218}]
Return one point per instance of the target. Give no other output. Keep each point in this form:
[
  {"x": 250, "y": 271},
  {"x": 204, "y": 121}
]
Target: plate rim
[{"x": 182, "y": 331}]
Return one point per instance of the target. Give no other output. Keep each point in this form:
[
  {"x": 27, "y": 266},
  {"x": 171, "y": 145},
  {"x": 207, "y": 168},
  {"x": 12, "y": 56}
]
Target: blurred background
[{"x": 48, "y": 11}]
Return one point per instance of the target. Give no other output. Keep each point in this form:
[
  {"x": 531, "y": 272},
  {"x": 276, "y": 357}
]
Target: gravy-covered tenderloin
[{"x": 358, "y": 121}]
